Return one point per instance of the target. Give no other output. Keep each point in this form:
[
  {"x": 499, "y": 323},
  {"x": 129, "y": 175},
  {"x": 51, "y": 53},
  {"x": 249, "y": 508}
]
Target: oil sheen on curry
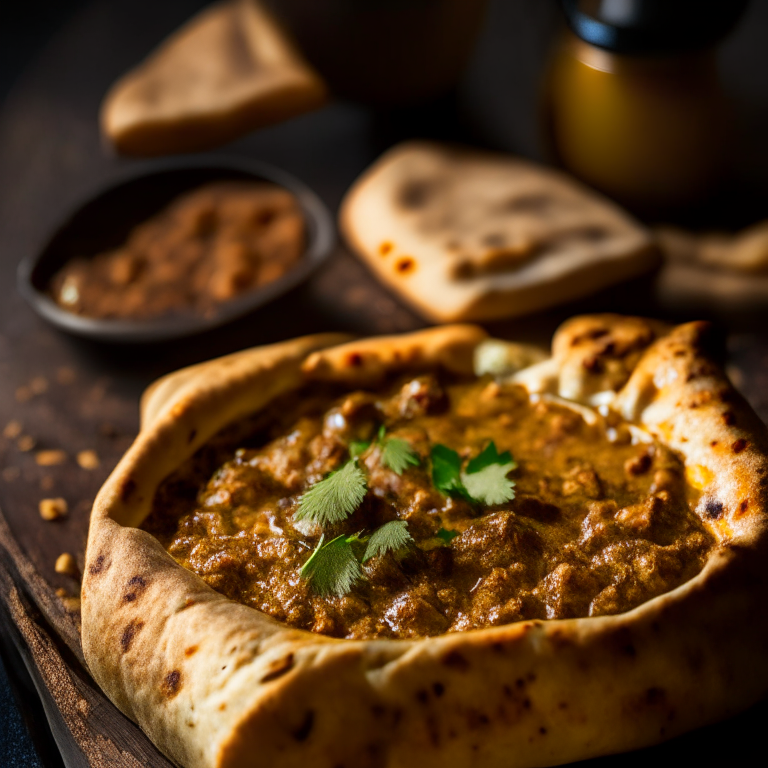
[{"x": 601, "y": 520}]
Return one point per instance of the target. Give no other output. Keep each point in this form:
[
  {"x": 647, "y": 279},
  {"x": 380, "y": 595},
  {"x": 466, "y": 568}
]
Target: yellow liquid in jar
[{"x": 648, "y": 131}]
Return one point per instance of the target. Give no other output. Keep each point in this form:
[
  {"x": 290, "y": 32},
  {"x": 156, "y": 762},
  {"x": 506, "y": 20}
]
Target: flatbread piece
[
  {"x": 228, "y": 71},
  {"x": 468, "y": 235}
]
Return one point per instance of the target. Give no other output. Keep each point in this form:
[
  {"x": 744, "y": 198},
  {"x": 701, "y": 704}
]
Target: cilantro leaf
[
  {"x": 485, "y": 477},
  {"x": 358, "y": 447},
  {"x": 398, "y": 455},
  {"x": 334, "y": 498},
  {"x": 392, "y": 536},
  {"x": 489, "y": 455},
  {"x": 484, "y": 480},
  {"x": 446, "y": 469},
  {"x": 358, "y": 541},
  {"x": 332, "y": 569},
  {"x": 490, "y": 485},
  {"x": 446, "y": 535}
]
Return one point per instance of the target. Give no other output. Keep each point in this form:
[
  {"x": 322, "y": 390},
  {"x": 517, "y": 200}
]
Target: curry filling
[{"x": 600, "y": 522}]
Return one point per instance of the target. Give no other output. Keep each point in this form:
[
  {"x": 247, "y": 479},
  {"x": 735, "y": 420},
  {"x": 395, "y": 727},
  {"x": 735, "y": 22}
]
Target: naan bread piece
[
  {"x": 744, "y": 252},
  {"x": 226, "y": 72},
  {"x": 470, "y": 235},
  {"x": 727, "y": 272}
]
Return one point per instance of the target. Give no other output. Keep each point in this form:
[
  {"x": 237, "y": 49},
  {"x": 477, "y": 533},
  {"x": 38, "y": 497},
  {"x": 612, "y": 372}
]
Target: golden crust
[{"x": 215, "y": 683}]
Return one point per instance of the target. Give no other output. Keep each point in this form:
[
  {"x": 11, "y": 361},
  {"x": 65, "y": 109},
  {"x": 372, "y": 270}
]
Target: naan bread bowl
[{"x": 216, "y": 683}]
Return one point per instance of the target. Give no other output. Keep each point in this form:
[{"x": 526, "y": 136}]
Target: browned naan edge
[{"x": 215, "y": 683}]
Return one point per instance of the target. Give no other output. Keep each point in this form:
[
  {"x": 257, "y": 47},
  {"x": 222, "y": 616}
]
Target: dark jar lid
[{"x": 652, "y": 26}]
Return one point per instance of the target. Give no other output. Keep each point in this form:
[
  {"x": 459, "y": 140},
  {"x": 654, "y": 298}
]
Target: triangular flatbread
[{"x": 225, "y": 73}]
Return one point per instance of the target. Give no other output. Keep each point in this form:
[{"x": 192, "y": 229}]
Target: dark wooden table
[{"x": 73, "y": 395}]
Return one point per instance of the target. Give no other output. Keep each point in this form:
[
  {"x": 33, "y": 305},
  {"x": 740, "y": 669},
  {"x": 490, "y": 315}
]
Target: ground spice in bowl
[{"x": 207, "y": 246}]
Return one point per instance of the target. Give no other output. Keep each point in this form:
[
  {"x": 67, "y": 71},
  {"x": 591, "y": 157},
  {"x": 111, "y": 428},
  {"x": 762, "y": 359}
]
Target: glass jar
[{"x": 634, "y": 105}]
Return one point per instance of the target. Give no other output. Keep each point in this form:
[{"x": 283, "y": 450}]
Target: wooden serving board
[{"x": 70, "y": 395}]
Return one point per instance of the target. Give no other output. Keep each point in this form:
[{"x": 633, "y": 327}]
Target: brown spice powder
[{"x": 207, "y": 247}]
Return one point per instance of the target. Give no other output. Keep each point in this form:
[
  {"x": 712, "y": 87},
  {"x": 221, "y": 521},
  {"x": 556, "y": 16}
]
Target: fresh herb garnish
[
  {"x": 391, "y": 537},
  {"x": 398, "y": 455},
  {"x": 335, "y": 567},
  {"x": 334, "y": 498},
  {"x": 446, "y": 535},
  {"x": 485, "y": 477},
  {"x": 484, "y": 480},
  {"x": 358, "y": 447},
  {"x": 490, "y": 485},
  {"x": 446, "y": 469},
  {"x": 488, "y": 456},
  {"x": 332, "y": 569}
]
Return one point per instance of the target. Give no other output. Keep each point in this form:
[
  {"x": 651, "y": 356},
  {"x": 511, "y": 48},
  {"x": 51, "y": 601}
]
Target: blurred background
[{"x": 516, "y": 40}]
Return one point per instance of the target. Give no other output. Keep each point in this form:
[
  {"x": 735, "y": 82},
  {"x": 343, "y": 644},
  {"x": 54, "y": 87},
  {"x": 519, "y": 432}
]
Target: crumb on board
[
  {"x": 88, "y": 459},
  {"x": 38, "y": 385},
  {"x": 67, "y": 565},
  {"x": 11, "y": 473},
  {"x": 50, "y": 458},
  {"x": 71, "y": 604},
  {"x": 52, "y": 509},
  {"x": 23, "y": 394},
  {"x": 12, "y": 429},
  {"x": 26, "y": 443}
]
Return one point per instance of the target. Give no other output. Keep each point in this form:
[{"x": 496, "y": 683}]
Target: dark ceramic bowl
[{"x": 104, "y": 221}]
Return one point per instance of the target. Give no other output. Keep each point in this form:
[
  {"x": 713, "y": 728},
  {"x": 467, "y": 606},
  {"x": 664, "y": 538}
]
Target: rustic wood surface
[{"x": 59, "y": 393}]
